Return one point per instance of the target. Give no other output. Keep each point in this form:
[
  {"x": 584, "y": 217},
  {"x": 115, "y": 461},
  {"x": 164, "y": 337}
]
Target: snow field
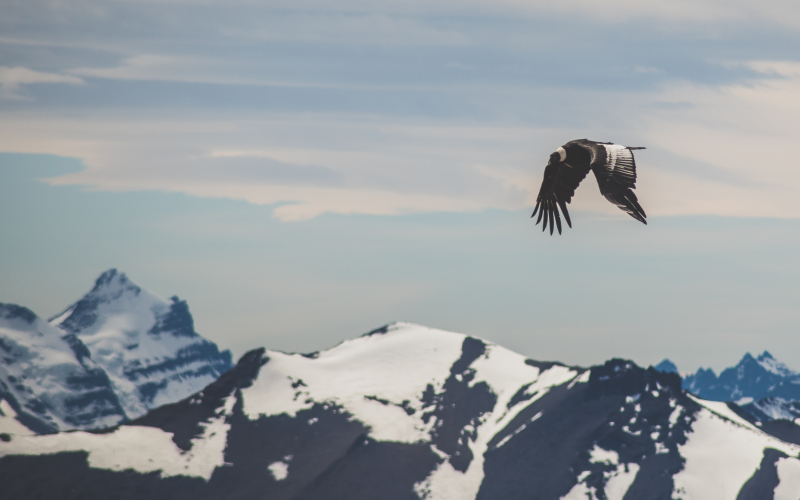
[
  {"x": 143, "y": 449},
  {"x": 395, "y": 367},
  {"x": 719, "y": 433}
]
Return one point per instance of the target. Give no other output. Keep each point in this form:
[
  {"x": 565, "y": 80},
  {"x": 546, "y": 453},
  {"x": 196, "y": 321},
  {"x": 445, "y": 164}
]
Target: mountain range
[
  {"x": 115, "y": 354},
  {"x": 763, "y": 386},
  {"x": 409, "y": 412}
]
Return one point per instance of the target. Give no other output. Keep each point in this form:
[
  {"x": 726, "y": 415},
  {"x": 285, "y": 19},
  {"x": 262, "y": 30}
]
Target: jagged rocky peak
[
  {"x": 752, "y": 379},
  {"x": 666, "y": 366},
  {"x": 769, "y": 363},
  {"x": 620, "y": 376},
  {"x": 764, "y": 362},
  {"x": 115, "y": 295},
  {"x": 147, "y": 345},
  {"x": 48, "y": 381},
  {"x": 110, "y": 287}
]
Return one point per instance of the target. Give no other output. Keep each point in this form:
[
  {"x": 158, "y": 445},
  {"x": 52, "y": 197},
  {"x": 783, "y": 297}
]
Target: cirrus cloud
[
  {"x": 12, "y": 80},
  {"x": 728, "y": 151}
]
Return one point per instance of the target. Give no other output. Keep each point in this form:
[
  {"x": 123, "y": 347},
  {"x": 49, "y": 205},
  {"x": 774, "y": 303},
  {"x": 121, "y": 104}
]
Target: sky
[{"x": 303, "y": 172}]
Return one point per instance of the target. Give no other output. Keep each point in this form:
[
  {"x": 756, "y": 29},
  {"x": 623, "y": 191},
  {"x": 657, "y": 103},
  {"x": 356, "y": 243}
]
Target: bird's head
[{"x": 558, "y": 155}]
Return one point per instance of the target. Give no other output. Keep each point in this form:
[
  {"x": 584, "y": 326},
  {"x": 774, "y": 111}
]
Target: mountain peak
[
  {"x": 772, "y": 365},
  {"x": 764, "y": 355},
  {"x": 110, "y": 287},
  {"x": 747, "y": 358},
  {"x": 147, "y": 345},
  {"x": 113, "y": 281},
  {"x": 754, "y": 378},
  {"x": 666, "y": 366},
  {"x": 415, "y": 412}
]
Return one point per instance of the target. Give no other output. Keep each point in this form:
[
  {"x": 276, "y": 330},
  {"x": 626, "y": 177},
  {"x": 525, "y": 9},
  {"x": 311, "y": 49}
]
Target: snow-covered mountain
[
  {"x": 754, "y": 378},
  {"x": 764, "y": 387},
  {"x": 48, "y": 379},
  {"x": 146, "y": 344},
  {"x": 112, "y": 356},
  {"x": 408, "y": 412}
]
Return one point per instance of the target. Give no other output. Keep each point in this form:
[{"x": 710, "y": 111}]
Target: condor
[{"x": 613, "y": 167}]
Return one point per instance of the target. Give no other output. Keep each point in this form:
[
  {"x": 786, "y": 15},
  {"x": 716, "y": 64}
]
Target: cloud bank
[{"x": 409, "y": 107}]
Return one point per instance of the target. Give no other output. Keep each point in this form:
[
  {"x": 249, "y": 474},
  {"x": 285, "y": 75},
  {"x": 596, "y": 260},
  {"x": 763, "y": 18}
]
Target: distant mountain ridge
[
  {"x": 764, "y": 386},
  {"x": 409, "y": 412},
  {"x": 112, "y": 356},
  {"x": 755, "y": 378}
]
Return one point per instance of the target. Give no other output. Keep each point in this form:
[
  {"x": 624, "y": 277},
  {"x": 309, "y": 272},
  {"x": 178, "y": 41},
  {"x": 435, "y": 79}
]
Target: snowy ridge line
[
  {"x": 752, "y": 379},
  {"x": 275, "y": 392},
  {"x": 383, "y": 361},
  {"x": 723, "y": 411},
  {"x": 409, "y": 411}
]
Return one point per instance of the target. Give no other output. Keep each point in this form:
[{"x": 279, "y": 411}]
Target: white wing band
[{"x": 619, "y": 162}]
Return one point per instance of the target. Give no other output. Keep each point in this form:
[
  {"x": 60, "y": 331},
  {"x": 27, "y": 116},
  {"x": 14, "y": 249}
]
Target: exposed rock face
[{"x": 409, "y": 412}]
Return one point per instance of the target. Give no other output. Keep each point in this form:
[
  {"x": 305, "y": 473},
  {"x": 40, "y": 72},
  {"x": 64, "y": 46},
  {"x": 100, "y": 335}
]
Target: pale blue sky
[{"x": 304, "y": 172}]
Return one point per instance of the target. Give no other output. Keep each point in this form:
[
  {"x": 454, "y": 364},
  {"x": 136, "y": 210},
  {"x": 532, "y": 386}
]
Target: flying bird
[{"x": 613, "y": 167}]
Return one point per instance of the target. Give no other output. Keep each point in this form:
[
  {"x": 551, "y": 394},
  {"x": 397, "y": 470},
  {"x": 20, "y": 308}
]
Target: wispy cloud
[
  {"x": 729, "y": 152},
  {"x": 749, "y": 130},
  {"x": 406, "y": 107},
  {"x": 12, "y": 80}
]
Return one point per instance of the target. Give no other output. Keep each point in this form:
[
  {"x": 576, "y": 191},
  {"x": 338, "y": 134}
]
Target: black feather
[
  {"x": 544, "y": 211},
  {"x": 550, "y": 211},
  {"x": 535, "y": 209},
  {"x": 558, "y": 218},
  {"x": 566, "y": 212}
]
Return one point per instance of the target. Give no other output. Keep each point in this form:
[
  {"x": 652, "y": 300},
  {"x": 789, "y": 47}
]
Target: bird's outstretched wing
[
  {"x": 558, "y": 187},
  {"x": 615, "y": 170}
]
